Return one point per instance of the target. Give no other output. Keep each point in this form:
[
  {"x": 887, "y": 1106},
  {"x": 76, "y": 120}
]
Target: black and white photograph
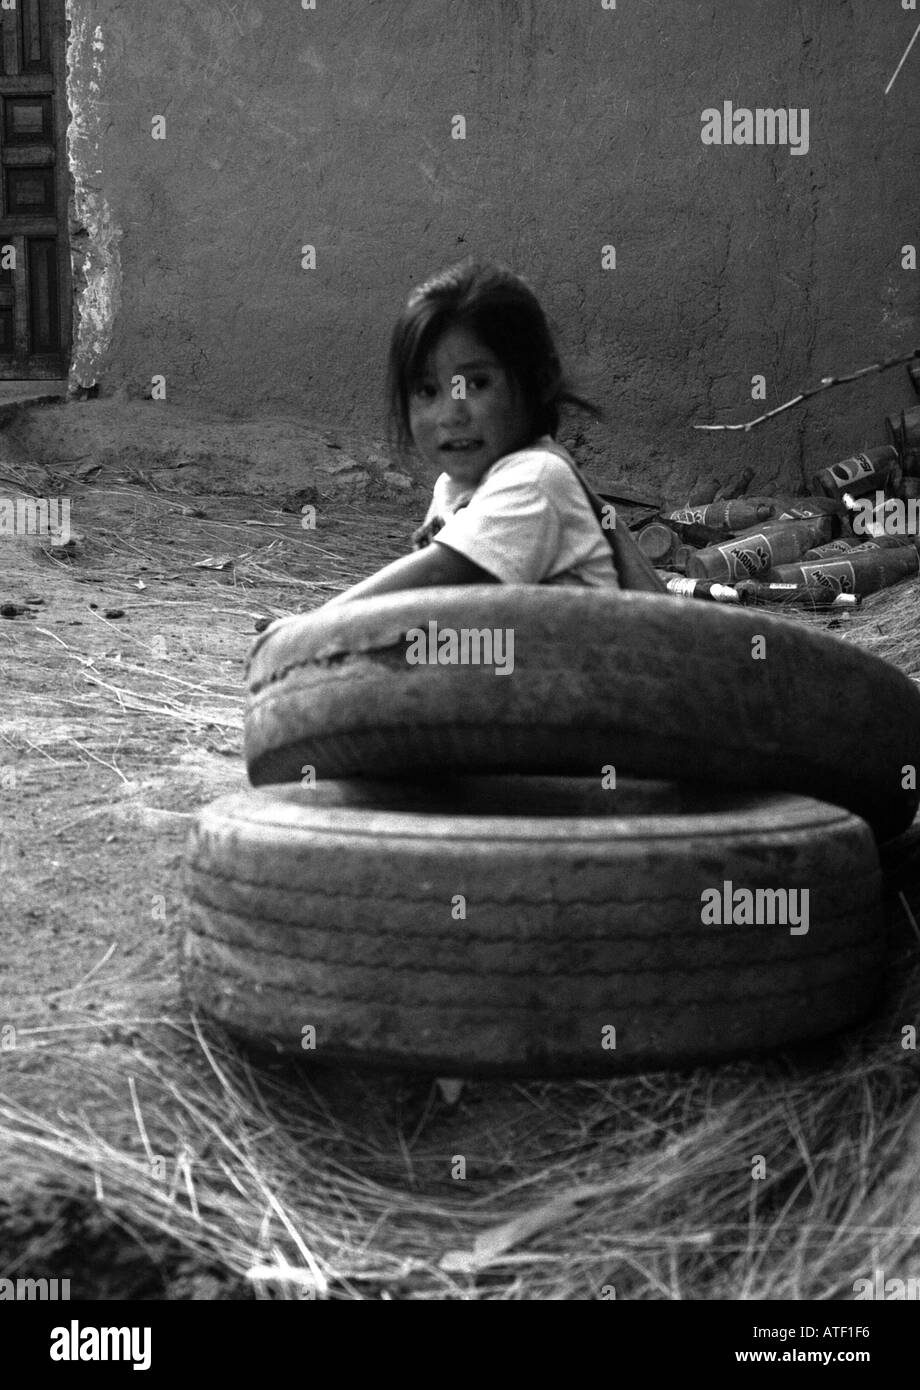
[{"x": 470, "y": 850}]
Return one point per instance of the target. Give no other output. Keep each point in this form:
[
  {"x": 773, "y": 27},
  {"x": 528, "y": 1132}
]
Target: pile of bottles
[{"x": 858, "y": 532}]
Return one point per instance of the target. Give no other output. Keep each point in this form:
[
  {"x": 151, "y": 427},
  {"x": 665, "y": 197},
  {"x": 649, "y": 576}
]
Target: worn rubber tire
[
  {"x": 334, "y": 907},
  {"x": 651, "y": 685}
]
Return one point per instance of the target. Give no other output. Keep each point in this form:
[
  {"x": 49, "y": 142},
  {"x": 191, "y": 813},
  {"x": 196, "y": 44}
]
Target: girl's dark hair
[{"x": 503, "y": 312}]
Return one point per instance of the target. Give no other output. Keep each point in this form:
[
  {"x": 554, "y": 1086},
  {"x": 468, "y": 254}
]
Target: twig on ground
[
  {"x": 112, "y": 767},
  {"x": 72, "y": 989},
  {"x": 34, "y": 746},
  {"x": 132, "y": 700}
]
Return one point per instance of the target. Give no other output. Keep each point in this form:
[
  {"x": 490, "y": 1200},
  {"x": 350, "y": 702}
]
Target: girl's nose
[{"x": 454, "y": 408}]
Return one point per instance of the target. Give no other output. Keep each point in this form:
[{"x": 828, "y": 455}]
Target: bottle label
[
  {"x": 751, "y": 556},
  {"x": 801, "y": 512},
  {"x": 837, "y": 577},
  {"x": 832, "y": 548},
  {"x": 852, "y": 469},
  {"x": 686, "y": 587},
  {"x": 687, "y": 516}
]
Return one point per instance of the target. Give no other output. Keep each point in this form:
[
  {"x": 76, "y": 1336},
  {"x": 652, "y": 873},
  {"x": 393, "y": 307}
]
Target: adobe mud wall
[{"x": 332, "y": 127}]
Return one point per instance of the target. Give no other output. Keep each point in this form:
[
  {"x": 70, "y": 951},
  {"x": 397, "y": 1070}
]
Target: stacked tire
[{"x": 547, "y": 867}]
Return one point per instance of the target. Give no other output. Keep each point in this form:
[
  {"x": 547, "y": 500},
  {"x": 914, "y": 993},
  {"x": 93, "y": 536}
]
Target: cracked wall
[
  {"x": 333, "y": 127},
  {"x": 94, "y": 237}
]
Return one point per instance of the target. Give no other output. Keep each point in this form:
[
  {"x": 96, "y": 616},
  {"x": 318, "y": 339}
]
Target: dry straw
[
  {"x": 330, "y": 1184},
  {"x": 307, "y": 1182}
]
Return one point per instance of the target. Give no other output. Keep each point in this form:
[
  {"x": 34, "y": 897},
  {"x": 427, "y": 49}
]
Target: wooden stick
[
  {"x": 826, "y": 383},
  {"x": 903, "y": 60}
]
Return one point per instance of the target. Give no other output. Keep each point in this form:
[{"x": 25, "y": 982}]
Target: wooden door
[{"x": 35, "y": 303}]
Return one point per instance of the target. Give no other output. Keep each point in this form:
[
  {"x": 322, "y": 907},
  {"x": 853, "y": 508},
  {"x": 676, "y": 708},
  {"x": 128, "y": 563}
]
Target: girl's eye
[
  {"x": 478, "y": 383},
  {"x": 423, "y": 390}
]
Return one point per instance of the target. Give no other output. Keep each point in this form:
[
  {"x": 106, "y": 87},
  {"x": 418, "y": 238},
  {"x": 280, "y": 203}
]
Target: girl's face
[{"x": 463, "y": 435}]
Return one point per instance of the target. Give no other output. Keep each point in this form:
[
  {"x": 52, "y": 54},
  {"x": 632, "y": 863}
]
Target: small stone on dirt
[
  {"x": 296, "y": 501},
  {"x": 114, "y": 613}
]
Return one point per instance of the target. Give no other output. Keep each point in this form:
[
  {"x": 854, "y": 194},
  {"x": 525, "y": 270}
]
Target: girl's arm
[{"x": 423, "y": 569}]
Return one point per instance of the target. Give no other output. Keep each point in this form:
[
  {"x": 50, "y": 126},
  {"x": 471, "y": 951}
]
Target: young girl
[{"x": 475, "y": 385}]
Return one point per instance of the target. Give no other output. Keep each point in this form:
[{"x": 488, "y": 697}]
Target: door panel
[{"x": 35, "y": 327}]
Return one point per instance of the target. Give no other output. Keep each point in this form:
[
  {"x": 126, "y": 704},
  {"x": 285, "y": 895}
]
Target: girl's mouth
[{"x": 461, "y": 446}]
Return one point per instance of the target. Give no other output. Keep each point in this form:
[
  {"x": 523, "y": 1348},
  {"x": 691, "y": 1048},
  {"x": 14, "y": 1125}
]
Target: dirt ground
[
  {"x": 122, "y": 716},
  {"x": 115, "y": 729}
]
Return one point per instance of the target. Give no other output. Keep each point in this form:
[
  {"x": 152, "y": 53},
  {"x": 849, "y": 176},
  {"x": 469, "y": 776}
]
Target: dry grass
[
  {"x": 339, "y": 1186},
  {"x": 305, "y": 1182},
  {"x": 274, "y": 567}
]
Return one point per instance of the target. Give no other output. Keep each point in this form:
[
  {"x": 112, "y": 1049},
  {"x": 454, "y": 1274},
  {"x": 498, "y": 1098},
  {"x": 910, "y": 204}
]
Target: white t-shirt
[{"x": 527, "y": 521}]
